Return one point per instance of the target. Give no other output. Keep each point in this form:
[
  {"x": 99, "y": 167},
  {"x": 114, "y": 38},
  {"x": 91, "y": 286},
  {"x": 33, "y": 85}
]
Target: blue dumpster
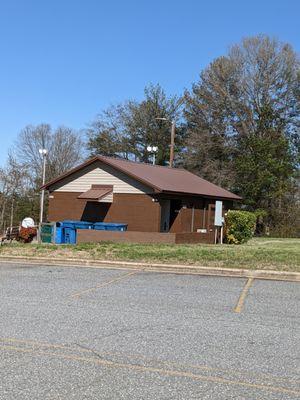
[
  {"x": 66, "y": 231},
  {"x": 116, "y": 227},
  {"x": 109, "y": 226},
  {"x": 84, "y": 225},
  {"x": 99, "y": 226},
  {"x": 78, "y": 224}
]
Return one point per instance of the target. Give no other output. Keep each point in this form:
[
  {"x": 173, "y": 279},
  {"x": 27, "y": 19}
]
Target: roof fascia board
[{"x": 201, "y": 195}]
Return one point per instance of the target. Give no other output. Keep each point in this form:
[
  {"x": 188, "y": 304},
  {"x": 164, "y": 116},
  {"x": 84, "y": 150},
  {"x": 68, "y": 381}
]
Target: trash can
[
  {"x": 59, "y": 233},
  {"x": 70, "y": 235},
  {"x": 68, "y": 232},
  {"x": 46, "y": 233}
]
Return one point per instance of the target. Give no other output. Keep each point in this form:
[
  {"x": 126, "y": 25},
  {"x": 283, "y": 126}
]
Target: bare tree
[
  {"x": 14, "y": 183},
  {"x": 64, "y": 145},
  {"x": 20, "y": 179}
]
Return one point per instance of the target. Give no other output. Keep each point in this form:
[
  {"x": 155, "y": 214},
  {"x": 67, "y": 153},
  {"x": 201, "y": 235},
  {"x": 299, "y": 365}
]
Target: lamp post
[
  {"x": 12, "y": 212},
  {"x": 172, "y": 145},
  {"x": 43, "y": 153},
  {"x": 153, "y": 150}
]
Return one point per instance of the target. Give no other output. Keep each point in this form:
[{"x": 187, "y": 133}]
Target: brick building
[{"x": 148, "y": 198}]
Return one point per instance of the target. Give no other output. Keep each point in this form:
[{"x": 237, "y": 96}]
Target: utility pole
[
  {"x": 2, "y": 215},
  {"x": 172, "y": 145},
  {"x": 12, "y": 213},
  {"x": 43, "y": 153}
]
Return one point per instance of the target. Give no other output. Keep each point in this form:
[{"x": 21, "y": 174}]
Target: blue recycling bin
[
  {"x": 70, "y": 235},
  {"x": 59, "y": 234}
]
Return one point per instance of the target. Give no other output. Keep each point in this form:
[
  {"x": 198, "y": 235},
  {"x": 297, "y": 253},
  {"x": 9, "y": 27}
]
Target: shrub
[
  {"x": 26, "y": 235},
  {"x": 261, "y": 222},
  {"x": 239, "y": 226}
]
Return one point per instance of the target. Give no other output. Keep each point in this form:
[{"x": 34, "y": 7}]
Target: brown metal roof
[
  {"x": 96, "y": 192},
  {"x": 161, "y": 179}
]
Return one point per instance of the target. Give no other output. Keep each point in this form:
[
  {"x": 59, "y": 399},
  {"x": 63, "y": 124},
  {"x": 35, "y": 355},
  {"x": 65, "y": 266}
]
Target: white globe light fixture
[
  {"x": 43, "y": 152},
  {"x": 153, "y": 150}
]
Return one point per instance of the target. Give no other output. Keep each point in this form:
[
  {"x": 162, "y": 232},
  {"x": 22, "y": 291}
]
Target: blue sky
[{"x": 62, "y": 61}]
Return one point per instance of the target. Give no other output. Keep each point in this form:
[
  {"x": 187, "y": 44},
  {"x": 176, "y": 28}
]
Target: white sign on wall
[{"x": 218, "y": 213}]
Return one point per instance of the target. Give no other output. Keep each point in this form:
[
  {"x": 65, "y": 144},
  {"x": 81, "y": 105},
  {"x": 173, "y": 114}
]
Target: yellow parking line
[
  {"x": 141, "y": 368},
  {"x": 35, "y": 343},
  {"x": 119, "y": 278},
  {"x": 241, "y": 301},
  {"x": 8, "y": 341}
]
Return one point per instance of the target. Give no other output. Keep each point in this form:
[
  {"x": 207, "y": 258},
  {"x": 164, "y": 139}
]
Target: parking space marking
[
  {"x": 161, "y": 371},
  {"x": 35, "y": 343},
  {"x": 92, "y": 289},
  {"x": 240, "y": 304},
  {"x": 6, "y": 341}
]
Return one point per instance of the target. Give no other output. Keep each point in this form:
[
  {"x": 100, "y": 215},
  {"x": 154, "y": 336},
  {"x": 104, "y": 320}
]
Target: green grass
[{"x": 258, "y": 253}]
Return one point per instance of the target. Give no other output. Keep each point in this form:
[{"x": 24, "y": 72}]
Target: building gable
[{"x": 99, "y": 173}]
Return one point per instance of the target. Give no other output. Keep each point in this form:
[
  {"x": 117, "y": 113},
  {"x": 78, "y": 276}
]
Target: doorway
[
  {"x": 175, "y": 207},
  {"x": 165, "y": 215}
]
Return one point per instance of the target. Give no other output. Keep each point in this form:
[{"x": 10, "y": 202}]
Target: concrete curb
[{"x": 156, "y": 267}]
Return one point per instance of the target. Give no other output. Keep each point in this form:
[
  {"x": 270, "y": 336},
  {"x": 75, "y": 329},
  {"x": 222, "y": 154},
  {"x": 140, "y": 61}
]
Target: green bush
[{"x": 239, "y": 226}]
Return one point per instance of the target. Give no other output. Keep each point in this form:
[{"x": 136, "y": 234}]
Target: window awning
[{"x": 96, "y": 193}]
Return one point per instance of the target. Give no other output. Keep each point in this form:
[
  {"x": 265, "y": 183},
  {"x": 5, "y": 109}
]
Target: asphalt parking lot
[{"x": 84, "y": 333}]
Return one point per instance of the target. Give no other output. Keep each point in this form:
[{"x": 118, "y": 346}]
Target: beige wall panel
[{"x": 100, "y": 174}]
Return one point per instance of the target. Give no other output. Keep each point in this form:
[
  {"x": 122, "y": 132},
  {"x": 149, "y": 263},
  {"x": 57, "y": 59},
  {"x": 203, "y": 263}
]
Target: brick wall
[
  {"x": 93, "y": 236},
  {"x": 194, "y": 238},
  {"x": 203, "y": 216},
  {"x": 136, "y": 210}
]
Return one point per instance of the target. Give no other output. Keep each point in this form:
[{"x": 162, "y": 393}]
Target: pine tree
[{"x": 243, "y": 123}]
